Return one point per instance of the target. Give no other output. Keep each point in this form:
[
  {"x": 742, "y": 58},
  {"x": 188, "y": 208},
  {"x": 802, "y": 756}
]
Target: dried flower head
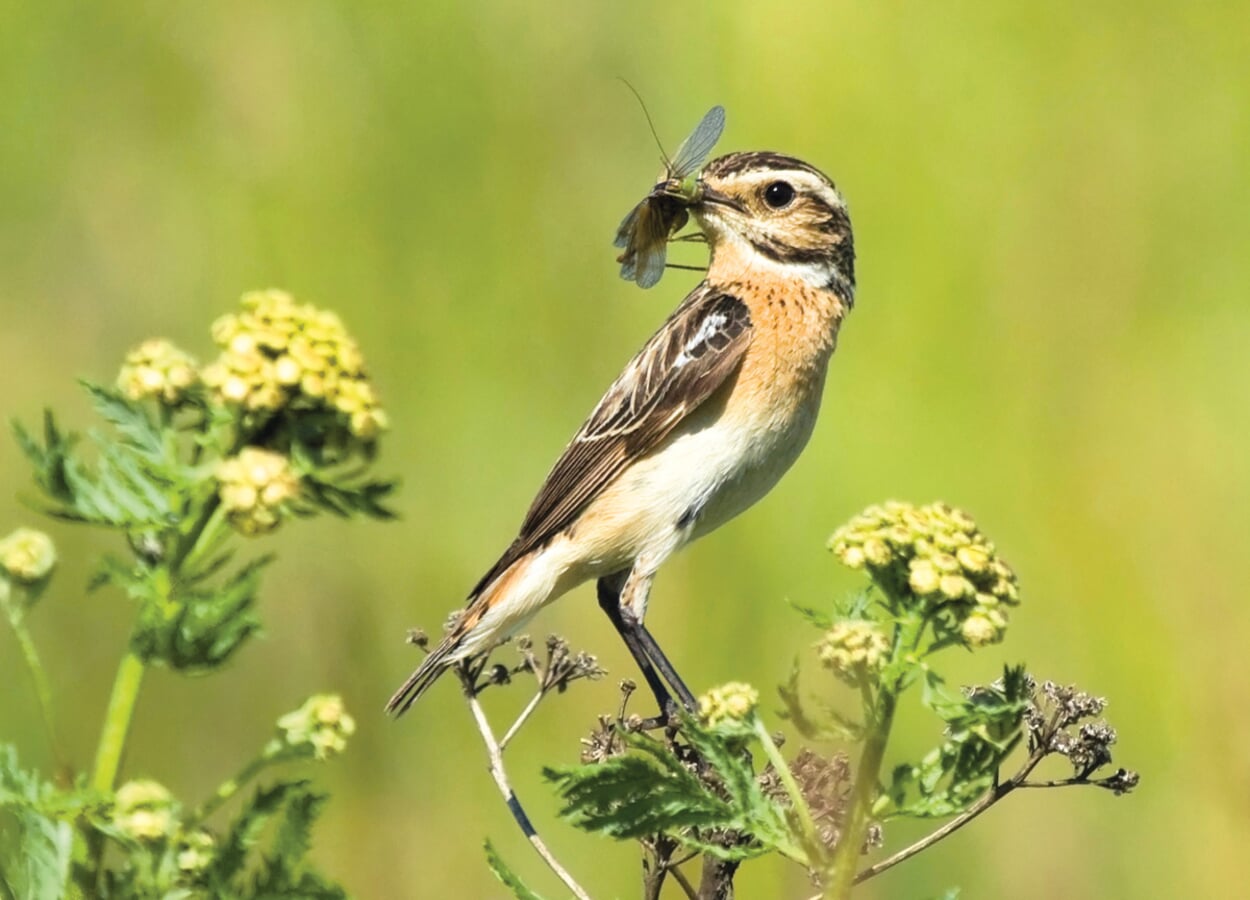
[
  {"x": 936, "y": 557},
  {"x": 320, "y": 728},
  {"x": 157, "y": 369},
  {"x": 277, "y": 354},
  {"x": 853, "y": 649},
  {"x": 825, "y": 783},
  {"x": 27, "y": 556},
  {"x": 1057, "y": 721},
  {"x": 734, "y": 701},
  {"x": 255, "y": 487},
  {"x": 144, "y": 811},
  {"x": 604, "y": 742}
]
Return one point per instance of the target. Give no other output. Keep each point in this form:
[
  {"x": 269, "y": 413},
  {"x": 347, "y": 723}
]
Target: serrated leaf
[
  {"x": 821, "y": 620},
  {"x": 650, "y": 791},
  {"x": 982, "y": 727},
  {"x": 506, "y": 876},
  {"x": 346, "y": 496},
  {"x": 828, "y": 725},
  {"x": 246, "y": 829},
  {"x": 35, "y": 852}
]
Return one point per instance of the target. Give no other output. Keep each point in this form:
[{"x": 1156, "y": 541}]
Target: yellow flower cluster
[
  {"x": 254, "y": 487},
  {"x": 279, "y": 354},
  {"x": 853, "y": 649},
  {"x": 27, "y": 556},
  {"x": 144, "y": 811},
  {"x": 733, "y": 701},
  {"x": 195, "y": 851},
  {"x": 321, "y": 725},
  {"x": 938, "y": 554},
  {"x": 157, "y": 369}
]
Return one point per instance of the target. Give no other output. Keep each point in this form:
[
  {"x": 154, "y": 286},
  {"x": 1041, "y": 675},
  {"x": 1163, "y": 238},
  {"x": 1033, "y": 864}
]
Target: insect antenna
[{"x": 668, "y": 164}]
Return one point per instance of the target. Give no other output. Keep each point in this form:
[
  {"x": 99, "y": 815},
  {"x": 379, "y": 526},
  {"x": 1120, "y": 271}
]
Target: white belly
[{"x": 713, "y": 467}]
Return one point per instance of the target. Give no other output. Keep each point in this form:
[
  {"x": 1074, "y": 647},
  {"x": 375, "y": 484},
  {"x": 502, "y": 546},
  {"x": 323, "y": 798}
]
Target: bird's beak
[{"x": 709, "y": 196}]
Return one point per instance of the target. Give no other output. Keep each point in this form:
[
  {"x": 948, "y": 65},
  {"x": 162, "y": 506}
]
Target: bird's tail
[
  {"x": 426, "y": 674},
  {"x": 464, "y": 639}
]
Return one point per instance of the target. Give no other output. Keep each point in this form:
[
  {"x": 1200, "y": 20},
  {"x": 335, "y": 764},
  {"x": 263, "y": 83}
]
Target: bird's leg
[
  {"x": 624, "y": 599},
  {"x": 609, "y": 591},
  {"x": 660, "y": 661}
]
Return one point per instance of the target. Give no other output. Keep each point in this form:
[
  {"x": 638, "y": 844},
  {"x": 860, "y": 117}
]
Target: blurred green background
[{"x": 1052, "y": 212}]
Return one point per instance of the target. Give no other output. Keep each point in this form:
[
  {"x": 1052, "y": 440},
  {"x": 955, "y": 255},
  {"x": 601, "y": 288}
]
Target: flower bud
[
  {"x": 157, "y": 369},
  {"x": 255, "y": 487},
  {"x": 27, "y": 556},
  {"x": 733, "y": 702},
  {"x": 144, "y": 811}
]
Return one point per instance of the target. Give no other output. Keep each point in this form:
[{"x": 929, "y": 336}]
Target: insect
[{"x": 644, "y": 233}]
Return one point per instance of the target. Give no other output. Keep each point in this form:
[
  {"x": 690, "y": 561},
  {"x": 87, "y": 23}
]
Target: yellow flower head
[
  {"x": 321, "y": 726},
  {"x": 278, "y": 354},
  {"x": 937, "y": 556},
  {"x": 734, "y": 702},
  {"x": 853, "y": 649},
  {"x": 159, "y": 370},
  {"x": 144, "y": 810},
  {"x": 254, "y": 487}
]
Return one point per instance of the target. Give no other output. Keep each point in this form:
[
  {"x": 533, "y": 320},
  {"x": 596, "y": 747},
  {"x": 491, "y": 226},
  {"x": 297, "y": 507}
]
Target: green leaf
[
  {"x": 506, "y": 875},
  {"x": 982, "y": 726},
  {"x": 282, "y": 869},
  {"x": 347, "y": 495},
  {"x": 132, "y": 420},
  {"x": 821, "y": 620},
  {"x": 130, "y": 475},
  {"x": 827, "y": 725},
  {"x": 35, "y": 845},
  {"x": 245, "y": 832},
  {"x": 650, "y": 790}
]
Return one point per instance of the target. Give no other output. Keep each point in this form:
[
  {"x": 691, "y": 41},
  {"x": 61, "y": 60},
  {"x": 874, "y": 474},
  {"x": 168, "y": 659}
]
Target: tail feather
[
  {"x": 463, "y": 639},
  {"x": 420, "y": 681}
]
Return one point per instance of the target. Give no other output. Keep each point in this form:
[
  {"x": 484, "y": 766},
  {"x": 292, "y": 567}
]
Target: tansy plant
[
  {"x": 717, "y": 787},
  {"x": 192, "y": 463}
]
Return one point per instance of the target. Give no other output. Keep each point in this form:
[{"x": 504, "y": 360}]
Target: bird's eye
[{"x": 779, "y": 194}]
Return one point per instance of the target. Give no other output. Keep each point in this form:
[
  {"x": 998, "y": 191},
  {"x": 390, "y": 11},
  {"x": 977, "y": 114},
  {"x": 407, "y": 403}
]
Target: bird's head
[{"x": 766, "y": 209}]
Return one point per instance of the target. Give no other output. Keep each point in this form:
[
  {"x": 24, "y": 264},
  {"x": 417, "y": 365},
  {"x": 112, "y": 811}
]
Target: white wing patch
[{"x": 712, "y": 324}]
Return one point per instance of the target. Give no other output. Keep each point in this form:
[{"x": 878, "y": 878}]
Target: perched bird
[{"x": 713, "y": 410}]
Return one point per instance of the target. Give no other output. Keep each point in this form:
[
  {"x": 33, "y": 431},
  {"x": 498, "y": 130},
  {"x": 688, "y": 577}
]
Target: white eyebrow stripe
[{"x": 708, "y": 327}]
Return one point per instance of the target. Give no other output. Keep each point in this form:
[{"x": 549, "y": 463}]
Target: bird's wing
[{"x": 692, "y": 354}]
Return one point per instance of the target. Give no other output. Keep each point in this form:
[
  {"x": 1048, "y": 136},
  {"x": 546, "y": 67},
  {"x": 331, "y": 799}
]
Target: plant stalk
[
  {"x": 117, "y": 720},
  {"x": 43, "y": 690},
  {"x": 228, "y": 789},
  {"x": 867, "y": 776}
]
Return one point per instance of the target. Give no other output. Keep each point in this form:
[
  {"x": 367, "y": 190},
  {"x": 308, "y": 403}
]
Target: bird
[{"x": 700, "y": 424}]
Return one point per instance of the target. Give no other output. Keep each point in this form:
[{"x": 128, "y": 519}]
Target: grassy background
[{"x": 1050, "y": 204}]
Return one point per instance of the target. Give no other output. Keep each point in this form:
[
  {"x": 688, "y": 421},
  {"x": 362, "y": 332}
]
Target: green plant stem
[
  {"x": 117, "y": 718},
  {"x": 228, "y": 789},
  {"x": 811, "y": 839},
  {"x": 867, "y": 776},
  {"x": 43, "y": 690}
]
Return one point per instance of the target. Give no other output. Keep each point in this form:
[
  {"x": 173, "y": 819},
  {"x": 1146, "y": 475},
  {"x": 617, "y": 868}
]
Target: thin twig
[
  {"x": 992, "y": 796},
  {"x": 686, "y": 886},
  {"x": 520, "y": 720},
  {"x": 497, "y": 771}
]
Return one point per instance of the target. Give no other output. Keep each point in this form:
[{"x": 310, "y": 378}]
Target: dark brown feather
[{"x": 708, "y": 334}]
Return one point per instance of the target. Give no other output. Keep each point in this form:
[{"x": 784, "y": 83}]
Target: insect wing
[
  {"x": 694, "y": 149},
  {"x": 629, "y": 226},
  {"x": 644, "y": 237}
]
